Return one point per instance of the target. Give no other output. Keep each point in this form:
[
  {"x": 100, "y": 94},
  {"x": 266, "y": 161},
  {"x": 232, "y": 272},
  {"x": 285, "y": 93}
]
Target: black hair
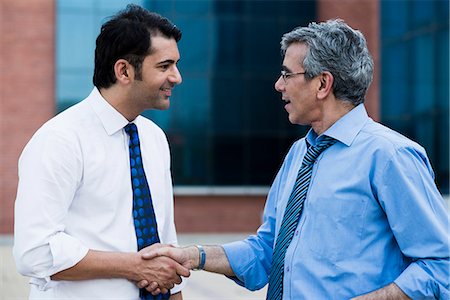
[{"x": 127, "y": 35}]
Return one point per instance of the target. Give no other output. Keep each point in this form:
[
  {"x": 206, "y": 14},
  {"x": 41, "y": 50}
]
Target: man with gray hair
[{"x": 354, "y": 211}]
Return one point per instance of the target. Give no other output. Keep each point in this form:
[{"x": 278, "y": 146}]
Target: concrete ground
[{"x": 201, "y": 285}]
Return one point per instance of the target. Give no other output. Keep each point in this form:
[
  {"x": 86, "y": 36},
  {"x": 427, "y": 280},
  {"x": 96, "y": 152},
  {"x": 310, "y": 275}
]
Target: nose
[
  {"x": 175, "y": 77},
  {"x": 279, "y": 84}
]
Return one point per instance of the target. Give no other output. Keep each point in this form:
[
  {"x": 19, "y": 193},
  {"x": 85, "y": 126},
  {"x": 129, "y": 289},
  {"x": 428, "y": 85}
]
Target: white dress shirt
[{"x": 75, "y": 194}]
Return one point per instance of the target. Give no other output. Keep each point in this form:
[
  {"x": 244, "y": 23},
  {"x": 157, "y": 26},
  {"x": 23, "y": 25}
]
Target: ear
[
  {"x": 123, "y": 71},
  {"x": 326, "y": 80}
]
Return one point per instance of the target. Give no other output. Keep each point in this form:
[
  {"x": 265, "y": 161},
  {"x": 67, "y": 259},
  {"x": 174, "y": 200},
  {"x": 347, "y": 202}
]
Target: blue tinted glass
[
  {"x": 110, "y": 7},
  {"x": 230, "y": 114},
  {"x": 195, "y": 45},
  {"x": 394, "y": 81},
  {"x": 72, "y": 87},
  {"x": 193, "y": 7},
  {"x": 424, "y": 81},
  {"x": 190, "y": 105},
  {"x": 75, "y": 40},
  {"x": 442, "y": 78},
  {"x": 74, "y": 4},
  {"x": 115, "y": 5},
  {"x": 422, "y": 11},
  {"x": 394, "y": 19},
  {"x": 255, "y": 44},
  {"x": 415, "y": 74},
  {"x": 226, "y": 124}
]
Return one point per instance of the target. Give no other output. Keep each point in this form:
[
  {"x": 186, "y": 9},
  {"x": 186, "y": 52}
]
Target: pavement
[{"x": 200, "y": 286}]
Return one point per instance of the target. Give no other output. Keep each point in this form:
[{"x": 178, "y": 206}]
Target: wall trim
[{"x": 221, "y": 190}]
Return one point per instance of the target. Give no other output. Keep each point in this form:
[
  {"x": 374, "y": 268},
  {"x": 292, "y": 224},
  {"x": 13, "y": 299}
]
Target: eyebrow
[
  {"x": 167, "y": 61},
  {"x": 284, "y": 68}
]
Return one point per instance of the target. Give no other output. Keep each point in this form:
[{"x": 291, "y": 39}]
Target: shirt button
[
  {"x": 287, "y": 269},
  {"x": 296, "y": 233}
]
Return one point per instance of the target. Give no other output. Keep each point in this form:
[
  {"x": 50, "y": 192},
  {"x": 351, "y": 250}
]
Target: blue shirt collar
[{"x": 345, "y": 129}]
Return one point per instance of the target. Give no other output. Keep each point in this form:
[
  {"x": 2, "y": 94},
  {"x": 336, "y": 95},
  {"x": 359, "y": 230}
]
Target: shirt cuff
[
  {"x": 66, "y": 251},
  {"x": 237, "y": 254},
  {"x": 418, "y": 284},
  {"x": 179, "y": 287}
]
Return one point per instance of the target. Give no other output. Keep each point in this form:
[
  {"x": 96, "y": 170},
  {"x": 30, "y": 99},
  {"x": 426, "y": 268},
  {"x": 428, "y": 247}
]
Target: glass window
[
  {"x": 226, "y": 124},
  {"x": 415, "y": 75},
  {"x": 77, "y": 26}
]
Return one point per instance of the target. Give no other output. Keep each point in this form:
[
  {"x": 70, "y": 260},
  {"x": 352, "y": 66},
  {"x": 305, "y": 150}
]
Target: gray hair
[{"x": 335, "y": 47}]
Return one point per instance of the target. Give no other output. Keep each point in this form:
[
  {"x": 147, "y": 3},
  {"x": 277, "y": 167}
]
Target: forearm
[
  {"x": 389, "y": 292},
  {"x": 99, "y": 264},
  {"x": 216, "y": 260}
]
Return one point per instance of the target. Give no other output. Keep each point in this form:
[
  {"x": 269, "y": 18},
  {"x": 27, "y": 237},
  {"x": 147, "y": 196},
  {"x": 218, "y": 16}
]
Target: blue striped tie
[
  {"x": 143, "y": 213},
  {"x": 291, "y": 217}
]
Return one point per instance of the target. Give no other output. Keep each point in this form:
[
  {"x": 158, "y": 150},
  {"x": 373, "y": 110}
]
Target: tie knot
[
  {"x": 314, "y": 151},
  {"x": 131, "y": 129},
  {"x": 325, "y": 142}
]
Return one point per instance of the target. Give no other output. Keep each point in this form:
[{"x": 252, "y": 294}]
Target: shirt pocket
[{"x": 337, "y": 226}]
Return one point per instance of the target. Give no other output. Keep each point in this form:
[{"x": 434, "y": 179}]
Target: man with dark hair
[
  {"x": 95, "y": 186},
  {"x": 354, "y": 210}
]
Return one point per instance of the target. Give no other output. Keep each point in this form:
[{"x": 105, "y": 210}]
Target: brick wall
[
  {"x": 27, "y": 86},
  {"x": 364, "y": 16},
  {"x": 200, "y": 213}
]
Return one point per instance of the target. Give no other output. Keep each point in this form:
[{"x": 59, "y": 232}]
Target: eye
[
  {"x": 285, "y": 74},
  {"x": 164, "y": 67}
]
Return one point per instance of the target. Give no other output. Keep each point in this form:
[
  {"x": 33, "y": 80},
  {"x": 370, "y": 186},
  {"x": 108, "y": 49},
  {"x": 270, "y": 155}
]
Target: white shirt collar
[{"x": 111, "y": 119}]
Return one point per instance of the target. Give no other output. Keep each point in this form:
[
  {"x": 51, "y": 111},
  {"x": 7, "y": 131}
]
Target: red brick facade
[
  {"x": 27, "y": 86},
  {"x": 218, "y": 213},
  {"x": 27, "y": 100},
  {"x": 364, "y": 16}
]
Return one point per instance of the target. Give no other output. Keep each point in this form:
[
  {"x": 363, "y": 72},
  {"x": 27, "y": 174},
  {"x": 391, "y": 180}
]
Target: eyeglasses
[{"x": 286, "y": 75}]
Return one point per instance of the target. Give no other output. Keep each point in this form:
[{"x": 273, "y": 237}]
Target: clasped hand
[{"x": 162, "y": 267}]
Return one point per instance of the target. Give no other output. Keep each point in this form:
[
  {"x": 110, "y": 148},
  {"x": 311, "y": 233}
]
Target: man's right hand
[
  {"x": 187, "y": 257},
  {"x": 162, "y": 271}
]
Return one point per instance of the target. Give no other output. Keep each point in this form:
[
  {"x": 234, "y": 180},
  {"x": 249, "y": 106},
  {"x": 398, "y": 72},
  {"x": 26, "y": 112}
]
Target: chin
[
  {"x": 295, "y": 121},
  {"x": 162, "y": 104},
  {"x": 292, "y": 120},
  {"x": 165, "y": 105}
]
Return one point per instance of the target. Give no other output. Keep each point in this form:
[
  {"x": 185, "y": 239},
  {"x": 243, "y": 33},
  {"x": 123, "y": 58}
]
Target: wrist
[
  {"x": 133, "y": 269},
  {"x": 201, "y": 258}
]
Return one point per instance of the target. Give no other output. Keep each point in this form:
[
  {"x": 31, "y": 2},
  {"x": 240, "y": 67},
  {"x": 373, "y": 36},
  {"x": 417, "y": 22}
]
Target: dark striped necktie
[
  {"x": 292, "y": 216},
  {"x": 143, "y": 212}
]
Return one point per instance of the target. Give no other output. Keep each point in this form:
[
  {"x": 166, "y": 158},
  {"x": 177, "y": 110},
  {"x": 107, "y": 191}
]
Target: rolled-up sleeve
[
  {"x": 50, "y": 170},
  {"x": 420, "y": 222},
  {"x": 251, "y": 259},
  {"x": 250, "y": 267}
]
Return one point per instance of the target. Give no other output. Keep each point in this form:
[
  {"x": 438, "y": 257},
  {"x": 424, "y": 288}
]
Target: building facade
[{"x": 227, "y": 130}]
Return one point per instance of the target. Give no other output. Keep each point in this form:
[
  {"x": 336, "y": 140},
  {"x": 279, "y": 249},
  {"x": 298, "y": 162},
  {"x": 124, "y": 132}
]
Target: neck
[
  {"x": 118, "y": 98},
  {"x": 331, "y": 112}
]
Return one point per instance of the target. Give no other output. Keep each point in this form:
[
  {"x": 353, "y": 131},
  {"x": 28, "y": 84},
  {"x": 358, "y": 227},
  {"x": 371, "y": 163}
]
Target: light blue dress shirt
[{"x": 372, "y": 216}]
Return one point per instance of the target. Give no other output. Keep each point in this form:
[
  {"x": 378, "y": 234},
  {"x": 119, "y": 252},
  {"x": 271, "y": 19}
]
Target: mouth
[
  {"x": 167, "y": 91},
  {"x": 286, "y": 102}
]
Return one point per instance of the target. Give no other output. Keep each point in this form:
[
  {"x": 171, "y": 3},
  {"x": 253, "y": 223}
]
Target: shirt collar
[
  {"x": 346, "y": 128},
  {"x": 111, "y": 119}
]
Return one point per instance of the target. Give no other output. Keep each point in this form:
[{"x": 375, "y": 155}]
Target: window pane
[
  {"x": 226, "y": 124},
  {"x": 414, "y": 81}
]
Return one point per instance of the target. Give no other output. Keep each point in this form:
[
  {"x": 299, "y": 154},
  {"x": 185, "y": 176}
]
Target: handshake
[{"x": 162, "y": 266}]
